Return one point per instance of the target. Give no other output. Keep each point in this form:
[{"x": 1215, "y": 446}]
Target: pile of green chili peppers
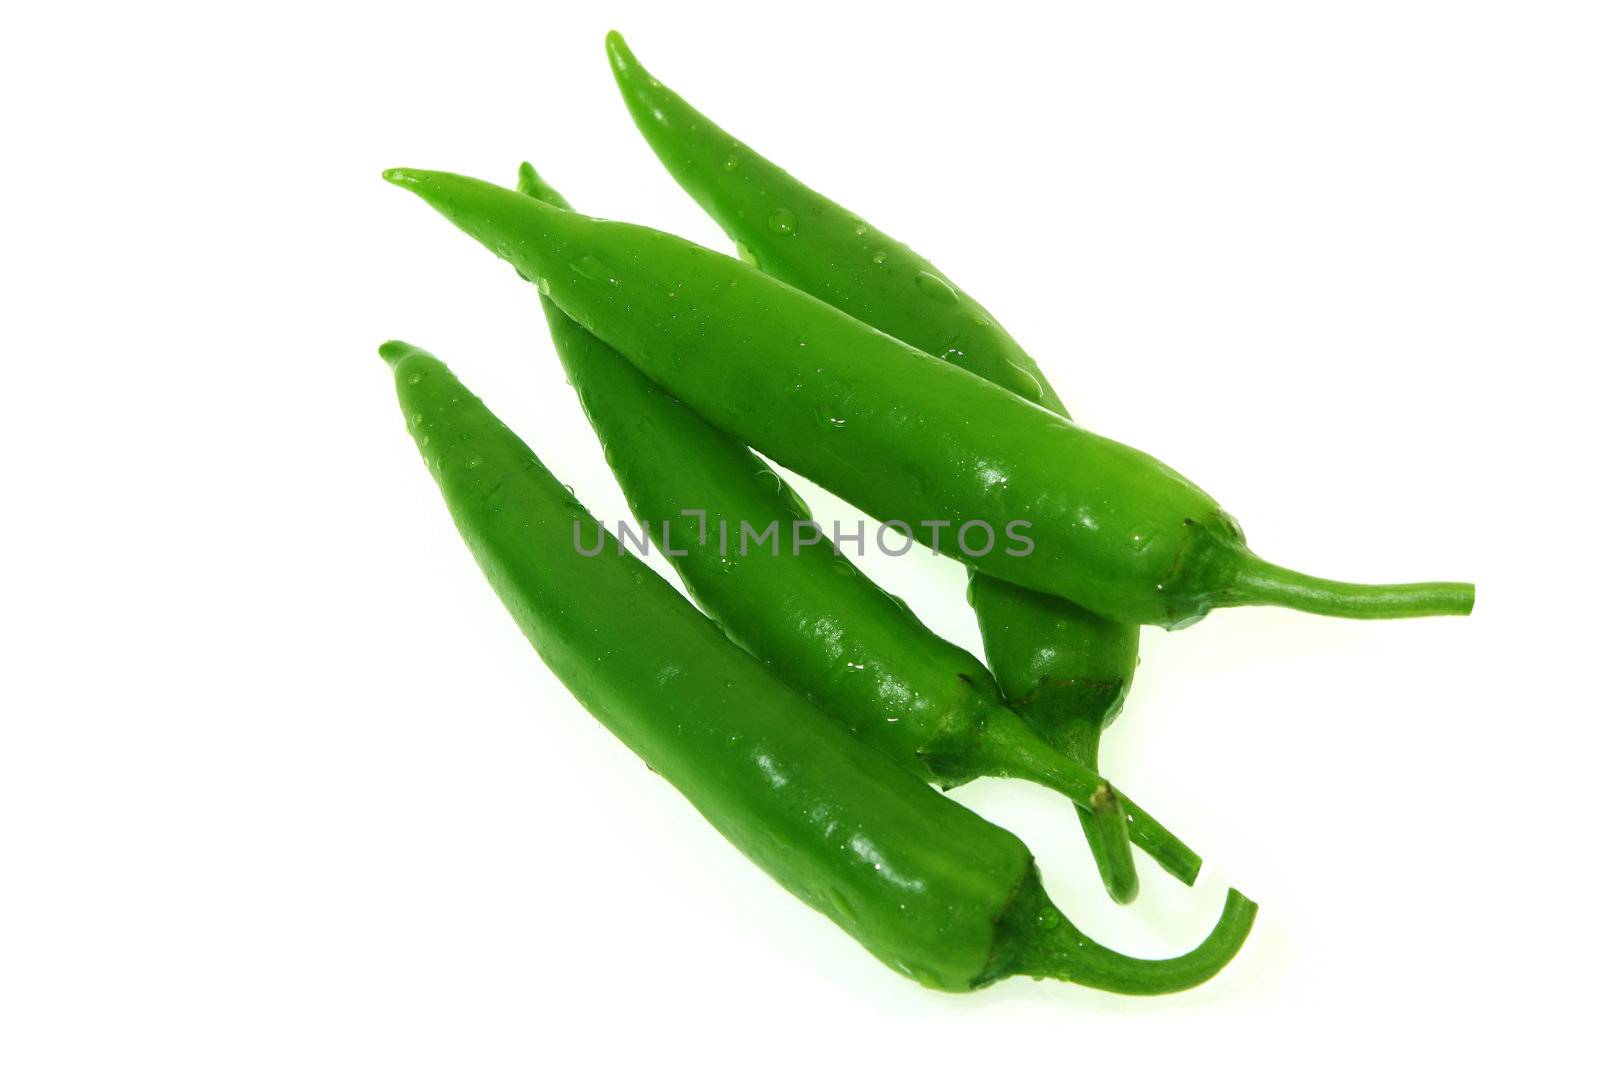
[{"x": 804, "y": 710}]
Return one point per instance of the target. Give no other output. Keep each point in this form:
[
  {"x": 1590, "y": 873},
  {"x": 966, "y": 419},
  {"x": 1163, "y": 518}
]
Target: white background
[{"x": 281, "y": 783}]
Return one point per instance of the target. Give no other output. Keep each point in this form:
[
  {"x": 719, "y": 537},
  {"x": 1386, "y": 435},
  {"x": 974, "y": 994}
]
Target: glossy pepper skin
[
  {"x": 930, "y": 888},
  {"x": 805, "y": 610},
  {"x": 902, "y": 435},
  {"x": 1064, "y": 669}
]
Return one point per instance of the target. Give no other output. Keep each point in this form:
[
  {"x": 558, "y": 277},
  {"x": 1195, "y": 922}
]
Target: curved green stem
[
  {"x": 1037, "y": 940},
  {"x": 1260, "y": 582},
  {"x": 1077, "y": 959}
]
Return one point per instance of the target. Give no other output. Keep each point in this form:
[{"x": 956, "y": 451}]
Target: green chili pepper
[
  {"x": 925, "y": 885},
  {"x": 744, "y": 544},
  {"x": 902, "y": 435},
  {"x": 1065, "y": 670}
]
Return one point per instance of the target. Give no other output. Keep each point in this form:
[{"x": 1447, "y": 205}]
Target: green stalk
[
  {"x": 1260, "y": 582},
  {"x": 1035, "y": 939}
]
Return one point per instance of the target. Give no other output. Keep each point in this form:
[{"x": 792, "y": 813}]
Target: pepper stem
[
  {"x": 1105, "y": 827},
  {"x": 1008, "y": 749},
  {"x": 1106, "y": 845},
  {"x": 1079, "y": 740},
  {"x": 1260, "y": 582},
  {"x": 1161, "y": 844},
  {"x": 1038, "y": 941},
  {"x": 1077, "y": 737}
]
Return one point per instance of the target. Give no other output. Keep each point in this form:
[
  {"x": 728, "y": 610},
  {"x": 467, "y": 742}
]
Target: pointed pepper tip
[
  {"x": 392, "y": 352},
  {"x": 619, "y": 53},
  {"x": 528, "y": 181},
  {"x": 400, "y": 176}
]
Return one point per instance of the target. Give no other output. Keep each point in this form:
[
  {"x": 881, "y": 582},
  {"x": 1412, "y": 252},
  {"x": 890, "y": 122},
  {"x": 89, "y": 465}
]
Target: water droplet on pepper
[
  {"x": 782, "y": 221},
  {"x": 935, "y": 287}
]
